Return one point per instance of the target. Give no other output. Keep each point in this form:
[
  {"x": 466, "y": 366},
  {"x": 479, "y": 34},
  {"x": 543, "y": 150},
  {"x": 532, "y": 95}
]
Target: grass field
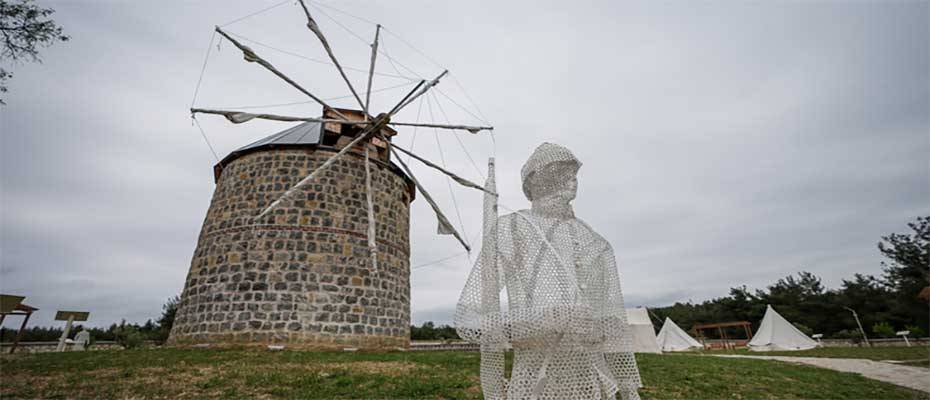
[
  {"x": 918, "y": 356},
  {"x": 239, "y": 373}
]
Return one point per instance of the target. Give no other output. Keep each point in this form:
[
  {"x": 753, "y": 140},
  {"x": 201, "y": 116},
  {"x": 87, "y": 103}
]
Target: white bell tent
[
  {"x": 777, "y": 334},
  {"x": 644, "y": 334},
  {"x": 673, "y": 338}
]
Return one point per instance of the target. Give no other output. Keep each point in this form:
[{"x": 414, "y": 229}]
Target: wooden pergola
[
  {"x": 13, "y": 305},
  {"x": 698, "y": 331}
]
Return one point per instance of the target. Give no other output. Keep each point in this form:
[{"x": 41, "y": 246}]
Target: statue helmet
[{"x": 547, "y": 153}]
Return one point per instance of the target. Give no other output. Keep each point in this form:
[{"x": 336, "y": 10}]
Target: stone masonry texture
[{"x": 302, "y": 276}]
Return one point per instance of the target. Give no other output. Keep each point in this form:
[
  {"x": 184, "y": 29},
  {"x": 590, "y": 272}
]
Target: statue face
[{"x": 559, "y": 179}]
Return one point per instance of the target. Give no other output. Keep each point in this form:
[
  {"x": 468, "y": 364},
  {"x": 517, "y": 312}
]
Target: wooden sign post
[
  {"x": 69, "y": 316},
  {"x": 904, "y": 335}
]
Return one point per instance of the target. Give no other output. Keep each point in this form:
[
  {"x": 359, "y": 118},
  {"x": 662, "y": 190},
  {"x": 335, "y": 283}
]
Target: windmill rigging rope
[
  {"x": 483, "y": 118},
  {"x": 203, "y": 68},
  {"x": 346, "y": 13},
  {"x": 363, "y": 40},
  {"x": 357, "y": 36},
  {"x": 462, "y": 107},
  {"x": 470, "y": 100},
  {"x": 413, "y": 138},
  {"x": 467, "y": 154},
  {"x": 382, "y": 49},
  {"x": 266, "y": 9},
  {"x": 441, "y": 260},
  {"x": 414, "y": 48},
  {"x": 311, "y": 101},
  {"x": 202, "y": 133},
  {"x": 318, "y": 61},
  {"x": 434, "y": 262}
]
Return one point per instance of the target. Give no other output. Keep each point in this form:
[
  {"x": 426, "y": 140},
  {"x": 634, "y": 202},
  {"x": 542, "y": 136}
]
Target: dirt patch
[
  {"x": 475, "y": 387},
  {"x": 105, "y": 373},
  {"x": 37, "y": 382}
]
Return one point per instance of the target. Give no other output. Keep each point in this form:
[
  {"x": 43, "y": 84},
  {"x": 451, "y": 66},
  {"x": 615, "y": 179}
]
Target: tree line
[
  {"x": 127, "y": 334},
  {"x": 898, "y": 299},
  {"x": 429, "y": 331}
]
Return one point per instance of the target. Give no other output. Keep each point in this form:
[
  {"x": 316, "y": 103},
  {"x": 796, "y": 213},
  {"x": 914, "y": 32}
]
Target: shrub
[
  {"x": 129, "y": 337},
  {"x": 852, "y": 334},
  {"x": 883, "y": 329},
  {"x": 916, "y": 331}
]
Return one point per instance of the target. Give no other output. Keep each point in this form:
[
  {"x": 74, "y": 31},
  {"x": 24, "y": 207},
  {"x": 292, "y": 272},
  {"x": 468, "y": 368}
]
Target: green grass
[
  {"x": 252, "y": 373},
  {"x": 914, "y": 356}
]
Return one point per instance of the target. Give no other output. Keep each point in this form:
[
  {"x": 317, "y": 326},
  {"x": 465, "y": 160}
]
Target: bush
[
  {"x": 129, "y": 337},
  {"x": 883, "y": 329},
  {"x": 852, "y": 334},
  {"x": 916, "y": 331}
]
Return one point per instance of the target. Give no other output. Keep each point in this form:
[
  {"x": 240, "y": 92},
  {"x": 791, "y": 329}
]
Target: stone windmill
[{"x": 306, "y": 241}]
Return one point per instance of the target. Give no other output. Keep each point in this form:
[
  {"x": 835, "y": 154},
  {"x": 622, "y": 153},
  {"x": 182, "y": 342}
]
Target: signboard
[
  {"x": 78, "y": 315},
  {"x": 8, "y": 302}
]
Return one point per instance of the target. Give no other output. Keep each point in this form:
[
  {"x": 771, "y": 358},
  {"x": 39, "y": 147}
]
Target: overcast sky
[{"x": 724, "y": 143}]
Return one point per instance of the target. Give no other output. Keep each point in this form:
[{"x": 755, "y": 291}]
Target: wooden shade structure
[
  {"x": 698, "y": 331},
  {"x": 13, "y": 305}
]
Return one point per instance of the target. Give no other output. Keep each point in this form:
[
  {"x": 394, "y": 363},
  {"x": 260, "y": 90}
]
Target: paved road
[{"x": 911, "y": 377}]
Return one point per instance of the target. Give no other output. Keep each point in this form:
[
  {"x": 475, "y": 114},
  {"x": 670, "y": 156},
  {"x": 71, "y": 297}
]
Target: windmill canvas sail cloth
[
  {"x": 547, "y": 286},
  {"x": 644, "y": 334},
  {"x": 776, "y": 333},
  {"x": 673, "y": 338}
]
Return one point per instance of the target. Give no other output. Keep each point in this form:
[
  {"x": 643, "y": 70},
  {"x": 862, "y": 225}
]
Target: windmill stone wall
[{"x": 302, "y": 276}]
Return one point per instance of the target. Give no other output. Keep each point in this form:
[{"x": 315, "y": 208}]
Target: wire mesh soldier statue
[{"x": 563, "y": 315}]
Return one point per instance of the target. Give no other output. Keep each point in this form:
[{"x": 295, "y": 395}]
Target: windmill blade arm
[
  {"x": 472, "y": 129},
  {"x": 251, "y": 56},
  {"x": 458, "y": 179},
  {"x": 400, "y": 103},
  {"x": 371, "y": 68},
  {"x": 444, "y": 224},
  {"x": 312, "y": 25},
  {"x": 426, "y": 88},
  {"x": 238, "y": 117},
  {"x": 375, "y": 127}
]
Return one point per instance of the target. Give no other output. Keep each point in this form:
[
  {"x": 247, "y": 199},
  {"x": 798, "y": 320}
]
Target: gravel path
[{"x": 911, "y": 377}]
